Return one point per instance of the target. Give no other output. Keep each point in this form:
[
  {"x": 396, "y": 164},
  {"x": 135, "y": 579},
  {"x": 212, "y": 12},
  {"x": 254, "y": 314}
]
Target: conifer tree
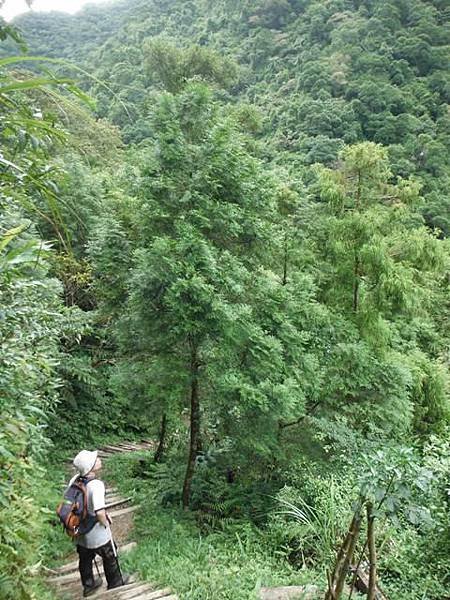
[
  {"x": 382, "y": 270},
  {"x": 202, "y": 231}
]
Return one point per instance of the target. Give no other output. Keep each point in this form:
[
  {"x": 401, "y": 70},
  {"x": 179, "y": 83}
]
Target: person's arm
[
  {"x": 98, "y": 500},
  {"x": 102, "y": 517}
]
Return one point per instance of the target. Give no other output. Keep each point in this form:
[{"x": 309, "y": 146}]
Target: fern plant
[{"x": 304, "y": 531}]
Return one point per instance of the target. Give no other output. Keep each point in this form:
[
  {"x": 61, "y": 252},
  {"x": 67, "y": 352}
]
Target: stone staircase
[{"x": 65, "y": 580}]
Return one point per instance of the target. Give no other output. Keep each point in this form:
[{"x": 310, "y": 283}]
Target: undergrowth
[
  {"x": 174, "y": 548},
  {"x": 227, "y": 546}
]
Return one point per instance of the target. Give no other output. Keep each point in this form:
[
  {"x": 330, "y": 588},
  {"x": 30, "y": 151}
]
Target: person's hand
[{"x": 109, "y": 519}]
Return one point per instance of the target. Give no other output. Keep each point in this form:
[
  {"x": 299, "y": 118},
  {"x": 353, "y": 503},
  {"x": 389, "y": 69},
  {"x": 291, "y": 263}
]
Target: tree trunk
[
  {"x": 356, "y": 268},
  {"x": 371, "y": 592},
  {"x": 340, "y": 560},
  {"x": 162, "y": 440},
  {"x": 354, "y": 532},
  {"x": 199, "y": 444},
  {"x": 344, "y": 557},
  {"x": 195, "y": 428},
  {"x": 356, "y": 283},
  {"x": 285, "y": 260}
]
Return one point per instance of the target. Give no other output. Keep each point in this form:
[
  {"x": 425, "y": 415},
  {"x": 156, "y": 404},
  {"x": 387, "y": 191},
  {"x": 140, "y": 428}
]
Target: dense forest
[{"x": 224, "y": 227}]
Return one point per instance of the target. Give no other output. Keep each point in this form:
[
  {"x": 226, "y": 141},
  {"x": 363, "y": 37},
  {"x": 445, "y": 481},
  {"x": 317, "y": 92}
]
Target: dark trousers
[{"x": 110, "y": 565}]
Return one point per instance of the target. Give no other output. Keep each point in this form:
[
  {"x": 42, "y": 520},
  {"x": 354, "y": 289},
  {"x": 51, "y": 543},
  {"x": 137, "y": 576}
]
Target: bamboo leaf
[
  {"x": 34, "y": 83},
  {"x": 11, "y": 234}
]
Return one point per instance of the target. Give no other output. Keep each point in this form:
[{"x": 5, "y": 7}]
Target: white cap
[{"x": 84, "y": 461}]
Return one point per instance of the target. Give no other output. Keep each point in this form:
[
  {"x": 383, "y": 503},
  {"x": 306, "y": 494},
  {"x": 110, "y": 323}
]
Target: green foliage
[
  {"x": 376, "y": 240},
  {"x": 214, "y": 566},
  {"x": 415, "y": 564},
  {"x": 324, "y": 75},
  {"x": 301, "y": 305},
  {"x": 198, "y": 237},
  {"x": 31, "y": 325},
  {"x": 381, "y": 270},
  {"x": 307, "y": 534},
  {"x": 392, "y": 480},
  {"x": 410, "y": 570},
  {"x": 174, "y": 67},
  {"x": 172, "y": 550}
]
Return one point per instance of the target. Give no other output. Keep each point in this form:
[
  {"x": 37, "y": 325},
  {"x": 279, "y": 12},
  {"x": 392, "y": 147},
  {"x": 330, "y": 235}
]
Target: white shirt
[{"x": 99, "y": 534}]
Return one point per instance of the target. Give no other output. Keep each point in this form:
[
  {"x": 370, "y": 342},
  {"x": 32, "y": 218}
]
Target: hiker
[{"x": 98, "y": 540}]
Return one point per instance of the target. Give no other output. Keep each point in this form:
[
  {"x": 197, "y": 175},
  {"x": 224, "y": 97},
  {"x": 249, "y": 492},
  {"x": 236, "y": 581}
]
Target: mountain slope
[{"x": 323, "y": 73}]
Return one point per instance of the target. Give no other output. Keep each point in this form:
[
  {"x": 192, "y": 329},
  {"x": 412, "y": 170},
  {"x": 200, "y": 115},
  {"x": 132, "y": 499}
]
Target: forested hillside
[
  {"x": 225, "y": 227},
  {"x": 323, "y": 74}
]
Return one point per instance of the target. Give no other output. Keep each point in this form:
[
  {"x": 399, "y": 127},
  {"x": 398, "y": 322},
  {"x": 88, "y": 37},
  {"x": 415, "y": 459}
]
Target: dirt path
[{"x": 66, "y": 579}]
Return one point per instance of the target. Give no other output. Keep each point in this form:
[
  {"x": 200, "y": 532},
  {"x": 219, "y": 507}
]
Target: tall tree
[
  {"x": 382, "y": 269},
  {"x": 202, "y": 232}
]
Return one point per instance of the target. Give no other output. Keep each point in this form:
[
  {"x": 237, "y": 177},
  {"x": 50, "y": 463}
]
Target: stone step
[
  {"x": 130, "y": 446},
  {"x": 75, "y": 590},
  {"x": 62, "y": 580},
  {"x": 115, "y": 500},
  {"x": 116, "y": 448},
  {"x": 158, "y": 594},
  {"x": 114, "y": 497},
  {"x": 132, "y": 591},
  {"x": 297, "y": 592},
  {"x": 113, "y": 449},
  {"x": 128, "y": 594}
]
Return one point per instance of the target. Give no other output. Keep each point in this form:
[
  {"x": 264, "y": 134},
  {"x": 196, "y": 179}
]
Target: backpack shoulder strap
[
  {"x": 71, "y": 482},
  {"x": 84, "y": 480},
  {"x": 82, "y": 483}
]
